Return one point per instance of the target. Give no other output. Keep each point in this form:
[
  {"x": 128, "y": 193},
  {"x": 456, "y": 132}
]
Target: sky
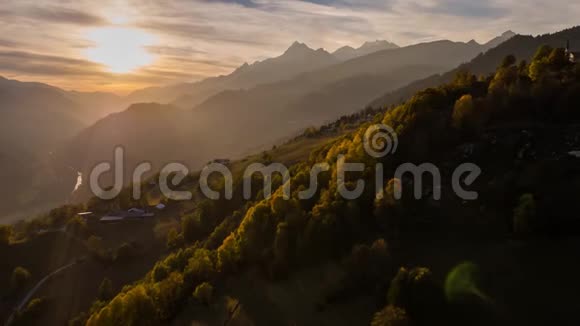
[{"x": 122, "y": 45}]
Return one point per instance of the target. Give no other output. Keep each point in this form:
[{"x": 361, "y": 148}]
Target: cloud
[
  {"x": 46, "y": 39},
  {"x": 383, "y": 4},
  {"x": 27, "y": 57},
  {"x": 8, "y": 43},
  {"x": 52, "y": 14},
  {"x": 200, "y": 32},
  {"x": 33, "y": 63},
  {"x": 62, "y": 15},
  {"x": 245, "y": 3},
  {"x": 464, "y": 8}
]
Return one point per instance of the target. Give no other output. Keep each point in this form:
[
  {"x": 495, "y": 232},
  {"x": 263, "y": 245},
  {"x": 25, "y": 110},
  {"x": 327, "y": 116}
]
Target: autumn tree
[
  {"x": 464, "y": 114},
  {"x": 5, "y": 233},
  {"x": 388, "y": 209},
  {"x": 96, "y": 247},
  {"x": 30, "y": 314},
  {"x": 415, "y": 291},
  {"x": 160, "y": 271},
  {"x": 77, "y": 226},
  {"x": 174, "y": 239},
  {"x": 204, "y": 293},
  {"x": 20, "y": 278},
  {"x": 391, "y": 316},
  {"x": 539, "y": 65},
  {"x": 524, "y": 214},
  {"x": 202, "y": 266},
  {"x": 508, "y": 61},
  {"x": 166, "y": 294}
]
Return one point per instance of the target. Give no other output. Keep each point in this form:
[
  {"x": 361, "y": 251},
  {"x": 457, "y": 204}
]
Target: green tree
[
  {"x": 31, "y": 313},
  {"x": 310, "y": 132},
  {"x": 464, "y": 79},
  {"x": 167, "y": 293},
  {"x": 464, "y": 113},
  {"x": 508, "y": 61},
  {"x": 78, "y": 320},
  {"x": 174, "y": 239},
  {"x": 5, "y": 233},
  {"x": 134, "y": 306},
  {"x": 77, "y": 226},
  {"x": 126, "y": 251},
  {"x": 160, "y": 271},
  {"x": 391, "y": 316},
  {"x": 462, "y": 281},
  {"x": 558, "y": 59},
  {"x": 105, "y": 290},
  {"x": 229, "y": 254},
  {"x": 20, "y": 278},
  {"x": 542, "y": 53},
  {"x": 96, "y": 247},
  {"x": 200, "y": 223},
  {"x": 204, "y": 293},
  {"x": 201, "y": 266},
  {"x": 524, "y": 214},
  {"x": 416, "y": 292},
  {"x": 539, "y": 66}
]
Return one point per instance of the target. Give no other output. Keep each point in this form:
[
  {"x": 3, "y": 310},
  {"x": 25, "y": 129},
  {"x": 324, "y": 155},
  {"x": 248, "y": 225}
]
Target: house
[
  {"x": 112, "y": 218},
  {"x": 137, "y": 212},
  {"x": 133, "y": 213},
  {"x": 573, "y": 56}
]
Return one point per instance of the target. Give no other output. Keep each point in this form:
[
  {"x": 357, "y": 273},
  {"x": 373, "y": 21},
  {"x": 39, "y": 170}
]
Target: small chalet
[
  {"x": 573, "y": 56},
  {"x": 133, "y": 213}
]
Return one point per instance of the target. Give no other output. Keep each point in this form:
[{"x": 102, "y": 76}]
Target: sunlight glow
[
  {"x": 120, "y": 49},
  {"x": 119, "y": 19}
]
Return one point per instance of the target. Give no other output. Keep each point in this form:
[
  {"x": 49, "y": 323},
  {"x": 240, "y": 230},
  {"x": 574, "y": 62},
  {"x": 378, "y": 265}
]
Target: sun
[{"x": 120, "y": 49}]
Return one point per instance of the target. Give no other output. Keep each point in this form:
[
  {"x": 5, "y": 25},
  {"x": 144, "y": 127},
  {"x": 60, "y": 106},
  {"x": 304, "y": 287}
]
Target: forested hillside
[
  {"x": 521, "y": 46},
  {"x": 423, "y": 262}
]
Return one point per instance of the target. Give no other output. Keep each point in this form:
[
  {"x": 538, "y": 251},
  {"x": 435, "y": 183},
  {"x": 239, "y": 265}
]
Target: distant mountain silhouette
[
  {"x": 343, "y": 88},
  {"x": 297, "y": 59},
  {"x": 500, "y": 39},
  {"x": 37, "y": 120},
  {"x": 347, "y": 52},
  {"x": 234, "y": 122},
  {"x": 522, "y": 47},
  {"x": 250, "y": 109}
]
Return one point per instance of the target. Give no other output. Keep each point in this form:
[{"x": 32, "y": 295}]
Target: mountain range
[
  {"x": 347, "y": 52},
  {"x": 523, "y": 47},
  {"x": 252, "y": 108},
  {"x": 37, "y": 120},
  {"x": 234, "y": 122}
]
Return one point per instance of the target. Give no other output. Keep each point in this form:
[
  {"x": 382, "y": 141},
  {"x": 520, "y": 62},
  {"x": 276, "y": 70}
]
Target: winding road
[{"x": 31, "y": 292}]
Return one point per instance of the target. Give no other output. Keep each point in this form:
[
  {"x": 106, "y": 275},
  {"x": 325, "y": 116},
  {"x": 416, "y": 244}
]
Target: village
[{"x": 132, "y": 214}]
